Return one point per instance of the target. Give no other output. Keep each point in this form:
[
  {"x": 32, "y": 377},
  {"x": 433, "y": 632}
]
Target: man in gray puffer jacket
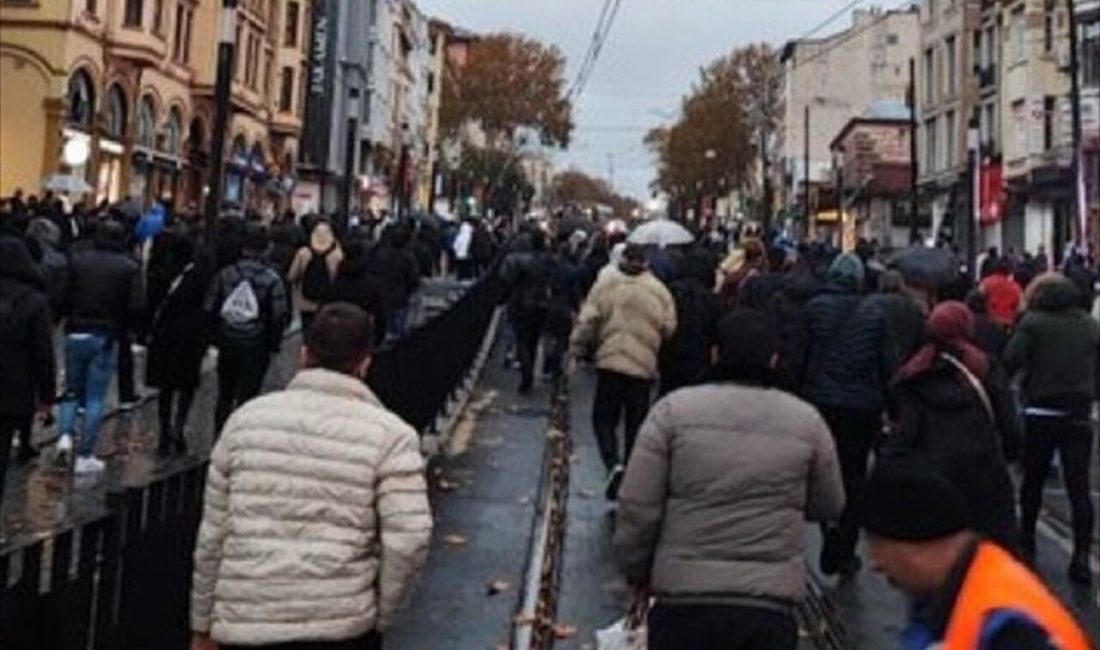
[
  {"x": 316, "y": 517},
  {"x": 712, "y": 510}
]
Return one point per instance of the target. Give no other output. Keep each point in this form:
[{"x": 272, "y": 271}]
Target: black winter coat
[
  {"x": 398, "y": 273},
  {"x": 844, "y": 364},
  {"x": 942, "y": 418},
  {"x": 105, "y": 292},
  {"x": 685, "y": 358},
  {"x": 354, "y": 284},
  {"x": 178, "y": 333},
  {"x": 27, "y": 367}
]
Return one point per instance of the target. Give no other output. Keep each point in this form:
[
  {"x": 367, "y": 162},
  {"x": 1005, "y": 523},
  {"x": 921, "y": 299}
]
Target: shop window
[
  {"x": 116, "y": 113},
  {"x": 173, "y": 131},
  {"x": 147, "y": 123}
]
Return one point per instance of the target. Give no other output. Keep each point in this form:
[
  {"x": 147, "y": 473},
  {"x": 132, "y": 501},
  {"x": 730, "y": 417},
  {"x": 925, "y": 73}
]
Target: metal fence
[{"x": 122, "y": 580}]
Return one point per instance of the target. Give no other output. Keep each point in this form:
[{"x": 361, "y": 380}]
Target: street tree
[
  {"x": 509, "y": 85},
  {"x": 576, "y": 188},
  {"x": 496, "y": 177}
]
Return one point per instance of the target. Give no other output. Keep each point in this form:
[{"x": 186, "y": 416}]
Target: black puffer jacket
[
  {"x": 354, "y": 284},
  {"x": 397, "y": 270},
  {"x": 685, "y": 358},
  {"x": 27, "y": 369},
  {"x": 105, "y": 291},
  {"x": 942, "y": 418},
  {"x": 829, "y": 319}
]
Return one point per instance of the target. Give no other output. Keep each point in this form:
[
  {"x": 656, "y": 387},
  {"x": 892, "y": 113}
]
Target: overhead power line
[
  {"x": 852, "y": 34},
  {"x": 599, "y": 37},
  {"x": 831, "y": 19}
]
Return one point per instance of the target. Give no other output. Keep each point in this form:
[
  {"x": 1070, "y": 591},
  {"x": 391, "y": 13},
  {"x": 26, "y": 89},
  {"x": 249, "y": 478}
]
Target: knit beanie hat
[
  {"x": 847, "y": 268},
  {"x": 905, "y": 499}
]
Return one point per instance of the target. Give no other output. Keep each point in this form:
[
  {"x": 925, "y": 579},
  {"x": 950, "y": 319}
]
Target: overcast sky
[{"x": 652, "y": 56}]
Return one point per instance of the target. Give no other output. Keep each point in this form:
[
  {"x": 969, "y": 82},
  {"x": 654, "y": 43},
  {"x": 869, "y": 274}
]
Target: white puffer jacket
[{"x": 316, "y": 518}]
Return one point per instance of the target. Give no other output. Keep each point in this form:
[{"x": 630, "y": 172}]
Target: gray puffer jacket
[
  {"x": 316, "y": 518},
  {"x": 717, "y": 491}
]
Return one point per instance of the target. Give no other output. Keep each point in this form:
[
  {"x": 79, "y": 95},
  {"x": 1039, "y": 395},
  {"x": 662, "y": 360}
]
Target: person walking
[
  {"x": 846, "y": 378},
  {"x": 106, "y": 298},
  {"x": 956, "y": 410},
  {"x": 712, "y": 508},
  {"x": 355, "y": 284},
  {"x": 966, "y": 592},
  {"x": 177, "y": 340},
  {"x": 27, "y": 371},
  {"x": 685, "y": 359},
  {"x": 246, "y": 306},
  {"x": 1055, "y": 347},
  {"x": 624, "y": 322},
  {"x": 322, "y": 477},
  {"x": 313, "y": 271},
  {"x": 526, "y": 275},
  {"x": 1003, "y": 294},
  {"x": 394, "y": 265}
]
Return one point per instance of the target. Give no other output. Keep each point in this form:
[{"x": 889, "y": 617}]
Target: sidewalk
[{"x": 482, "y": 491}]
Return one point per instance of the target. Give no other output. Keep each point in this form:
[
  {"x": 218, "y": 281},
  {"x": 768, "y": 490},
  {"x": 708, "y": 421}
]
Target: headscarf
[{"x": 950, "y": 330}]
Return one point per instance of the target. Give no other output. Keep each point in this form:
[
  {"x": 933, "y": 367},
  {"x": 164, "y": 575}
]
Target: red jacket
[{"x": 1004, "y": 296}]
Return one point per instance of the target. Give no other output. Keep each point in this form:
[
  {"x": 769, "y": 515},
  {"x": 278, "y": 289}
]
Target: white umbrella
[
  {"x": 66, "y": 184},
  {"x": 661, "y": 232}
]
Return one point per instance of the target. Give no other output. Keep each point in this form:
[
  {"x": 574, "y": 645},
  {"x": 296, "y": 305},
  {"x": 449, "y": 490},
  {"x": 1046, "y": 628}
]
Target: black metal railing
[{"x": 122, "y": 580}]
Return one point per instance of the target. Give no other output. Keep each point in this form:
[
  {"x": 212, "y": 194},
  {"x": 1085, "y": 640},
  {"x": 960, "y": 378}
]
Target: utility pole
[
  {"x": 973, "y": 192},
  {"x": 806, "y": 168},
  {"x": 914, "y": 231},
  {"x": 765, "y": 167},
  {"x": 351, "y": 140},
  {"x": 227, "y": 43},
  {"x": 1076, "y": 167}
]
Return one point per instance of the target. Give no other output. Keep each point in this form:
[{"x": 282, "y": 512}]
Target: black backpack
[
  {"x": 316, "y": 281},
  {"x": 13, "y": 330}
]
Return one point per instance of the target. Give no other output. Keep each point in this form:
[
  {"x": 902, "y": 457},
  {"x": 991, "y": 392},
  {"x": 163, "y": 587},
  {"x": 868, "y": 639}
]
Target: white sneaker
[
  {"x": 64, "y": 452},
  {"x": 89, "y": 465}
]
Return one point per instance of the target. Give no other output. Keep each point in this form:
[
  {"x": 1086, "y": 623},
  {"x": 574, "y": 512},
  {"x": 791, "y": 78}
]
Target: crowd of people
[{"x": 114, "y": 278}]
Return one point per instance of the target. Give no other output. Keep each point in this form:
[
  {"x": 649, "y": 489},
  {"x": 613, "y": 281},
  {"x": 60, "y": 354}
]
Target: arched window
[
  {"x": 173, "y": 131},
  {"x": 81, "y": 99},
  {"x": 147, "y": 123},
  {"x": 117, "y": 112},
  {"x": 196, "y": 135}
]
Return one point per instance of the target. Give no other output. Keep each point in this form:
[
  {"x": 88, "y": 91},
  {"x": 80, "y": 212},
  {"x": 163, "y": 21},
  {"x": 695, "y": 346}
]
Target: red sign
[{"x": 993, "y": 193}]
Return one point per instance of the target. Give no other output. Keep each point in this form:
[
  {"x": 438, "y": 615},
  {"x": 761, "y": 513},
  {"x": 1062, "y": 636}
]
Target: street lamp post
[
  {"x": 222, "y": 107},
  {"x": 974, "y": 178}
]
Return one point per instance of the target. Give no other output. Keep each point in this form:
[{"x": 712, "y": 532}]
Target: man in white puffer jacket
[{"x": 316, "y": 518}]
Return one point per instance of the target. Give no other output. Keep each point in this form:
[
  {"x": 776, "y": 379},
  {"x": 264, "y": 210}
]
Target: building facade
[
  {"x": 1088, "y": 26},
  {"x": 838, "y": 77},
  {"x": 132, "y": 81}
]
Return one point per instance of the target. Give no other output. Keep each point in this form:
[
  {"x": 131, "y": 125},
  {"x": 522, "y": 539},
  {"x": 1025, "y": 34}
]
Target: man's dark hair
[
  {"x": 340, "y": 338},
  {"x": 747, "y": 345},
  {"x": 256, "y": 239},
  {"x": 110, "y": 234},
  {"x": 399, "y": 235}
]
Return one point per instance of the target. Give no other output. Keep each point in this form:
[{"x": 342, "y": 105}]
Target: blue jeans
[{"x": 89, "y": 364}]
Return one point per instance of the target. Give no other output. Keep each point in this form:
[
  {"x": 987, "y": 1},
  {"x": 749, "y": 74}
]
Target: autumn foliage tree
[
  {"x": 712, "y": 146},
  {"x": 509, "y": 84},
  {"x": 574, "y": 187}
]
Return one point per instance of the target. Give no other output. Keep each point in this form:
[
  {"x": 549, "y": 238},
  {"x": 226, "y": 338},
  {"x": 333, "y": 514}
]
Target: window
[
  {"x": 290, "y": 35},
  {"x": 147, "y": 123},
  {"x": 177, "y": 38},
  {"x": 158, "y": 17},
  {"x": 930, "y": 153},
  {"x": 952, "y": 65},
  {"x": 1090, "y": 55},
  {"x": 116, "y": 113},
  {"x": 81, "y": 98},
  {"x": 950, "y": 129},
  {"x": 303, "y": 81},
  {"x": 173, "y": 131},
  {"x": 286, "y": 89},
  {"x": 1019, "y": 36},
  {"x": 431, "y": 83},
  {"x": 90, "y": 6},
  {"x": 188, "y": 22},
  {"x": 131, "y": 16},
  {"x": 929, "y": 77},
  {"x": 268, "y": 63},
  {"x": 1048, "y": 26},
  {"x": 1048, "y": 123},
  {"x": 988, "y": 126},
  {"x": 891, "y": 39}
]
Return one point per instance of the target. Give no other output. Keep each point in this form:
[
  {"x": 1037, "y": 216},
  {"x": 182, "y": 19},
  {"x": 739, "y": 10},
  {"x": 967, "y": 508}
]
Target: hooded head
[
  {"x": 1053, "y": 292},
  {"x": 18, "y": 264},
  {"x": 748, "y": 348},
  {"x": 847, "y": 271},
  {"x": 634, "y": 260}
]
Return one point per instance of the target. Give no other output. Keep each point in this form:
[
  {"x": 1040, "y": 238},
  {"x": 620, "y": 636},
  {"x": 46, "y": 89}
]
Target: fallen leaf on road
[
  {"x": 497, "y": 586},
  {"x": 454, "y": 540},
  {"x": 562, "y": 631}
]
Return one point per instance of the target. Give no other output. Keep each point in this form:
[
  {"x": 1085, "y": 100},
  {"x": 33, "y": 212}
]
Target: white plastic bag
[{"x": 620, "y": 636}]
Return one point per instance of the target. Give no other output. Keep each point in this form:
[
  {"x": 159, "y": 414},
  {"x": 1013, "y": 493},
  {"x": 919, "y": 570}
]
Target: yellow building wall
[{"x": 22, "y": 124}]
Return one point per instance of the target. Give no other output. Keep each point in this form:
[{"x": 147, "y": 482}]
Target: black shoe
[
  {"x": 614, "y": 482},
  {"x": 1079, "y": 571}
]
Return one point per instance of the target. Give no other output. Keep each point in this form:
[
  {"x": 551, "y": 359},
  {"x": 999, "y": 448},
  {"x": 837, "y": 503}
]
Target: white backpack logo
[{"x": 241, "y": 307}]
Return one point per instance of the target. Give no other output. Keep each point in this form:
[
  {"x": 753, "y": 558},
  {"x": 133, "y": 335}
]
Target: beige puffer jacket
[
  {"x": 625, "y": 319},
  {"x": 316, "y": 518}
]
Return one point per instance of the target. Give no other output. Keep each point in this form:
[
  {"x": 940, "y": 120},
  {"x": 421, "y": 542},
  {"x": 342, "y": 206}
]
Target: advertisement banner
[
  {"x": 320, "y": 83},
  {"x": 992, "y": 193}
]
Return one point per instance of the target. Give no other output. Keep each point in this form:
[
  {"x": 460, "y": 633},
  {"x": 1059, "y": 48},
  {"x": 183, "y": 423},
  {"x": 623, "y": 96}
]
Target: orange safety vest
[{"x": 998, "y": 581}]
